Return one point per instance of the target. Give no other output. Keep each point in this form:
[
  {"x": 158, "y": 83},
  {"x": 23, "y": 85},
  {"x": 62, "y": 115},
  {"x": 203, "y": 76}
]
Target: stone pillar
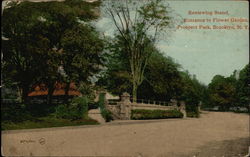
[
  {"x": 125, "y": 97},
  {"x": 182, "y": 109},
  {"x": 174, "y": 103},
  {"x": 199, "y": 106},
  {"x": 125, "y": 106}
]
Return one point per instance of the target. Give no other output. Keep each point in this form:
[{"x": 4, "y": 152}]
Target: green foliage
[
  {"x": 82, "y": 53},
  {"x": 39, "y": 109},
  {"x": 155, "y": 114},
  {"x": 162, "y": 80},
  {"x": 116, "y": 78},
  {"x": 138, "y": 32},
  {"x": 14, "y": 112},
  {"x": 45, "y": 122},
  {"x": 77, "y": 109},
  {"x": 89, "y": 91},
  {"x": 43, "y": 36},
  {"x": 243, "y": 88},
  {"x": 222, "y": 92},
  {"x": 193, "y": 93},
  {"x": 28, "y": 116},
  {"x": 106, "y": 114},
  {"x": 193, "y": 114},
  {"x": 232, "y": 91}
]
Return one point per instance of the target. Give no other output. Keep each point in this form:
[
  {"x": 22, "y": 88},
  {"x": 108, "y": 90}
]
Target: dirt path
[{"x": 159, "y": 138}]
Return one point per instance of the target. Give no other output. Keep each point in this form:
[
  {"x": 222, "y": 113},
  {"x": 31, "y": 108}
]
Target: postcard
[{"x": 125, "y": 78}]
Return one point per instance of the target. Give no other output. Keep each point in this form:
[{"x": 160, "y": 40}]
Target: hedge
[
  {"x": 106, "y": 114},
  {"x": 155, "y": 114},
  {"x": 77, "y": 109}
]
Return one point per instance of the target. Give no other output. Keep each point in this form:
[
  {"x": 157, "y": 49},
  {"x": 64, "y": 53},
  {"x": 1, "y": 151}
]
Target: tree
[
  {"x": 193, "y": 92},
  {"x": 222, "y": 91},
  {"x": 36, "y": 44},
  {"x": 82, "y": 56},
  {"x": 243, "y": 87},
  {"x": 162, "y": 79},
  {"x": 116, "y": 77},
  {"x": 138, "y": 28}
]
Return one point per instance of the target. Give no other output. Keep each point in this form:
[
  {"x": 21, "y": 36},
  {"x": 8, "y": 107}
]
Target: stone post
[
  {"x": 182, "y": 109},
  {"x": 174, "y": 103},
  {"x": 199, "y": 107},
  {"x": 125, "y": 97},
  {"x": 125, "y": 106}
]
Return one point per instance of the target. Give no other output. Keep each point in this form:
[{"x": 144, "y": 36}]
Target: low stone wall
[{"x": 122, "y": 110}]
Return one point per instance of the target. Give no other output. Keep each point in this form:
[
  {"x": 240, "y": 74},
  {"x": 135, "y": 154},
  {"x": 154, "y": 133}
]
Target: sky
[{"x": 204, "y": 53}]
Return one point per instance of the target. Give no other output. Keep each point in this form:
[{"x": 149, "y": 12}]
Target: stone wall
[{"x": 122, "y": 110}]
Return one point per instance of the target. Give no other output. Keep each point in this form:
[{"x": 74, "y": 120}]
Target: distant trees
[
  {"x": 41, "y": 37},
  {"x": 222, "y": 91},
  {"x": 230, "y": 91},
  {"x": 243, "y": 87},
  {"x": 138, "y": 26}
]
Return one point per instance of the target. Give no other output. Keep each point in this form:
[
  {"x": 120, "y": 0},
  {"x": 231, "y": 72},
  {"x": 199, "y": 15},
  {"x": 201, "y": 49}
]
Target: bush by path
[
  {"x": 155, "y": 114},
  {"x": 106, "y": 114},
  {"x": 45, "y": 122}
]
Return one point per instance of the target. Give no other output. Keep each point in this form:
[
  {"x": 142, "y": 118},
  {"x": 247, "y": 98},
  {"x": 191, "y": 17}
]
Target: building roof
[{"x": 59, "y": 90}]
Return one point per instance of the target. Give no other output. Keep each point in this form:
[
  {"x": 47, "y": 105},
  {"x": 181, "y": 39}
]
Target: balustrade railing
[
  {"x": 140, "y": 101},
  {"x": 153, "y": 102}
]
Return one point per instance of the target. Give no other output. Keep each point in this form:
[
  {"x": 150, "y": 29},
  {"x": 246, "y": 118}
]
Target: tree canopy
[
  {"x": 41, "y": 37},
  {"x": 231, "y": 91}
]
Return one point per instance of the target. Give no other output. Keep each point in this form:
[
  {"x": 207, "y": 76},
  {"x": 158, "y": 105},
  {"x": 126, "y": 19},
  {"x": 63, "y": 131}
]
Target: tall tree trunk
[
  {"x": 25, "y": 92},
  {"x": 67, "y": 92},
  {"x": 134, "y": 92},
  {"x": 51, "y": 88}
]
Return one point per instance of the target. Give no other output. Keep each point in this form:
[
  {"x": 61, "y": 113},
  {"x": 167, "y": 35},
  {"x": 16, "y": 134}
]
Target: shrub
[
  {"x": 155, "y": 114},
  {"x": 77, "y": 109},
  {"x": 40, "y": 109},
  {"x": 192, "y": 110},
  {"x": 14, "y": 112},
  {"x": 106, "y": 114},
  {"x": 193, "y": 114}
]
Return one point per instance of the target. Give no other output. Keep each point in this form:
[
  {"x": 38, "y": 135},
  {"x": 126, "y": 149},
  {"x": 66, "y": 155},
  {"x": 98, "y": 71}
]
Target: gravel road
[{"x": 214, "y": 134}]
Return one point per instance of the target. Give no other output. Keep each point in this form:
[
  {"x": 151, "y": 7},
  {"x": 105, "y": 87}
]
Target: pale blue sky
[{"x": 204, "y": 53}]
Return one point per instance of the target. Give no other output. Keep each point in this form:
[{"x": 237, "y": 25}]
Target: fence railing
[
  {"x": 153, "y": 102},
  {"x": 140, "y": 101}
]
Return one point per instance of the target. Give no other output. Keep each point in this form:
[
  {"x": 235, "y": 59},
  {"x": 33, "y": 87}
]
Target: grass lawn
[{"x": 45, "y": 122}]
